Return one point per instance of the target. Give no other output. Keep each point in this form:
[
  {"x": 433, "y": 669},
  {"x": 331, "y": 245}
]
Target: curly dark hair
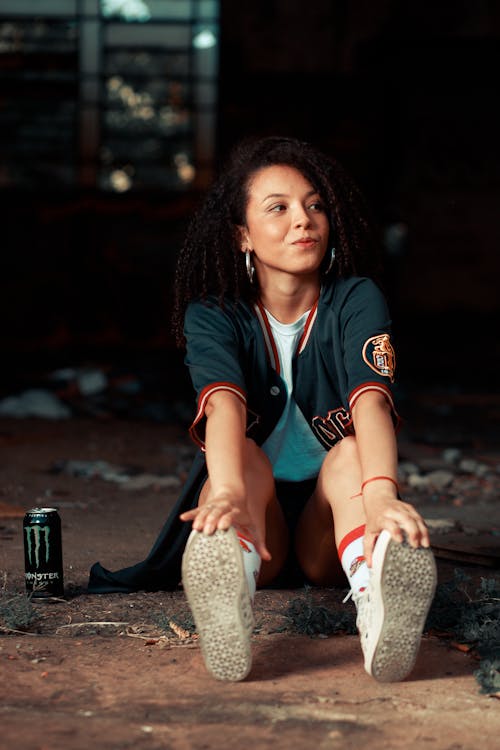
[{"x": 210, "y": 260}]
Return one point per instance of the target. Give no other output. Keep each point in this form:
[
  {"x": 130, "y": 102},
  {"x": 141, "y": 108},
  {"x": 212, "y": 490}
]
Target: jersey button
[{"x": 274, "y": 390}]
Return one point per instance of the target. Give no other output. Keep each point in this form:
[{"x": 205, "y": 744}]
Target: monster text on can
[{"x": 43, "y": 552}]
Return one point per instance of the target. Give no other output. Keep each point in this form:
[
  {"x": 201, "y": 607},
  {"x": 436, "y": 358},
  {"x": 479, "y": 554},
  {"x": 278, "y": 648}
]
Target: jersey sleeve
[
  {"x": 369, "y": 357},
  {"x": 212, "y": 358}
]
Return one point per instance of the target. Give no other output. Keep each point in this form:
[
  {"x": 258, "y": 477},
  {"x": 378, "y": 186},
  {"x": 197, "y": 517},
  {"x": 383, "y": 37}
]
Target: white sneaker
[
  {"x": 216, "y": 588},
  {"x": 393, "y": 608}
]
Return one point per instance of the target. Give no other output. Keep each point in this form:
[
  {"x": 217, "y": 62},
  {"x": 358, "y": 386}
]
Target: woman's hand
[
  {"x": 218, "y": 513},
  {"x": 398, "y": 518},
  {"x": 221, "y": 513}
]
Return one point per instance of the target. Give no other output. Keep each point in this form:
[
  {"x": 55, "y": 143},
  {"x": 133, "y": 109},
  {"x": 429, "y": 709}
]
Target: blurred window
[{"x": 118, "y": 95}]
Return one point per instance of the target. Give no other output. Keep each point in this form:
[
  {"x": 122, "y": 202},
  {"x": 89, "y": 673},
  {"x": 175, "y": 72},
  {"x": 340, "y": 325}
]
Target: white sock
[
  {"x": 251, "y": 562},
  {"x": 354, "y": 565}
]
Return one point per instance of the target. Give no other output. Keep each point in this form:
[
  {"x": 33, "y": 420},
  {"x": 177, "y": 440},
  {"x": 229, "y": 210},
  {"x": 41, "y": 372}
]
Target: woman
[
  {"x": 288, "y": 344},
  {"x": 289, "y": 349}
]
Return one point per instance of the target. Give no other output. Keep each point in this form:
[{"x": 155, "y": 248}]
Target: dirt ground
[{"x": 116, "y": 671}]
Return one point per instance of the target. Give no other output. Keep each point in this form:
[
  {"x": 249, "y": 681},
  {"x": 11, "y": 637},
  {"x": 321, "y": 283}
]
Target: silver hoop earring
[
  {"x": 249, "y": 265},
  {"x": 332, "y": 260}
]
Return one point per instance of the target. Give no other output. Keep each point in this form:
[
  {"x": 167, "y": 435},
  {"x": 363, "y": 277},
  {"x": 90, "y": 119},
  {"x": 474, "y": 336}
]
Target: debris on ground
[
  {"x": 471, "y": 616},
  {"x": 34, "y": 403},
  {"x": 128, "y": 477}
]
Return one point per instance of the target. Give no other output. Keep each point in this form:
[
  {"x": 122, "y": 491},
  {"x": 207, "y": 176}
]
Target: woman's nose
[{"x": 301, "y": 217}]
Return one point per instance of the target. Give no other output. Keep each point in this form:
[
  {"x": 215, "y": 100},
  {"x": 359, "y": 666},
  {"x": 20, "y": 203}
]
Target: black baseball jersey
[{"x": 345, "y": 350}]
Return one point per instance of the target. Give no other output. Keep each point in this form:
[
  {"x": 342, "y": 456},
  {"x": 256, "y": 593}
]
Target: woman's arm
[
  {"x": 225, "y": 445},
  {"x": 378, "y": 455}
]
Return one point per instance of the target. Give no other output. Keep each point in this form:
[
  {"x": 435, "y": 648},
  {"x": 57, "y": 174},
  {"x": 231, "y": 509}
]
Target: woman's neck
[{"x": 287, "y": 302}]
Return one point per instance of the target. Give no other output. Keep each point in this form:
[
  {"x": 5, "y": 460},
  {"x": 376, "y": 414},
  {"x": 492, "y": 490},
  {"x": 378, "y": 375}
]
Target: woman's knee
[
  {"x": 256, "y": 451},
  {"x": 344, "y": 455},
  {"x": 258, "y": 466}
]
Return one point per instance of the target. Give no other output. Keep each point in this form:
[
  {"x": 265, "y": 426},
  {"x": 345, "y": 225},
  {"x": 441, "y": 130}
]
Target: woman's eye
[
  {"x": 317, "y": 206},
  {"x": 278, "y": 207}
]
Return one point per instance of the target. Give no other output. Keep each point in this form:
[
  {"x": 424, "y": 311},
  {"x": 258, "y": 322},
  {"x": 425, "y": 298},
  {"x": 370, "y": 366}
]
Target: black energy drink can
[{"x": 43, "y": 553}]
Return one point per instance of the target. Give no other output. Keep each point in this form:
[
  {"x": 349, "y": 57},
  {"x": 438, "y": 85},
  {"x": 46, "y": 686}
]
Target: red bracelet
[{"x": 374, "y": 479}]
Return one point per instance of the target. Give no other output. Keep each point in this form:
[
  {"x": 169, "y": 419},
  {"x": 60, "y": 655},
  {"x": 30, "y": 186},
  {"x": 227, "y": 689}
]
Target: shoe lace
[{"x": 361, "y": 599}]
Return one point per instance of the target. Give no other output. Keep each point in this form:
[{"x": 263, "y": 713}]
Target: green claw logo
[{"x": 35, "y": 533}]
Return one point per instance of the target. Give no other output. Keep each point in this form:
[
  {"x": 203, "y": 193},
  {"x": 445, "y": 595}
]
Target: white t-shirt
[{"x": 294, "y": 452}]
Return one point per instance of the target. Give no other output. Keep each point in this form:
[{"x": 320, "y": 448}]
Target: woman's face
[{"x": 286, "y": 224}]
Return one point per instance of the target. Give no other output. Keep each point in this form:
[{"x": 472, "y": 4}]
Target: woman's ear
[{"x": 243, "y": 239}]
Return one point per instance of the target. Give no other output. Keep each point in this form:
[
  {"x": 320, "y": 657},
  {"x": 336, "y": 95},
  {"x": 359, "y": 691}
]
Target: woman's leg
[
  {"x": 332, "y": 512},
  {"x": 392, "y": 599},
  {"x": 220, "y": 569},
  {"x": 264, "y": 509}
]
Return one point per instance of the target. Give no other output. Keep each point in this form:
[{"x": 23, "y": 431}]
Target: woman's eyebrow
[
  {"x": 273, "y": 195},
  {"x": 285, "y": 195}
]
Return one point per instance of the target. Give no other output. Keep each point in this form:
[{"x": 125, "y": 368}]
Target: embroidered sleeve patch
[{"x": 379, "y": 355}]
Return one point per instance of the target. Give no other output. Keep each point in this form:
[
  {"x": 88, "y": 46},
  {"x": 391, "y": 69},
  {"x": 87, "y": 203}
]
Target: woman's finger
[
  {"x": 368, "y": 545},
  {"x": 410, "y": 527},
  {"x": 414, "y": 527},
  {"x": 424, "y": 533},
  {"x": 188, "y": 515},
  {"x": 261, "y": 548}
]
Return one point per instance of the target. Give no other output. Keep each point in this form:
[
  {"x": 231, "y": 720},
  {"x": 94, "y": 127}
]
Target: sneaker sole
[
  {"x": 407, "y": 583},
  {"x": 216, "y": 588}
]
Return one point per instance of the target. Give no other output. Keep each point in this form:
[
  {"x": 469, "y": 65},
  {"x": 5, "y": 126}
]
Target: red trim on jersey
[
  {"x": 307, "y": 328},
  {"x": 384, "y": 390},
  {"x": 371, "y": 386},
  {"x": 272, "y": 351},
  {"x": 202, "y": 402},
  {"x": 350, "y": 537}
]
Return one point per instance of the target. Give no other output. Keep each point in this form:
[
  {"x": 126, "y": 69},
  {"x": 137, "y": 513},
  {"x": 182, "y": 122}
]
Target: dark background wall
[{"x": 403, "y": 94}]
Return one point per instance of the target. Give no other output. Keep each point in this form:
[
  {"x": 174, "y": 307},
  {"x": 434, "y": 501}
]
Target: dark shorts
[{"x": 292, "y": 497}]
